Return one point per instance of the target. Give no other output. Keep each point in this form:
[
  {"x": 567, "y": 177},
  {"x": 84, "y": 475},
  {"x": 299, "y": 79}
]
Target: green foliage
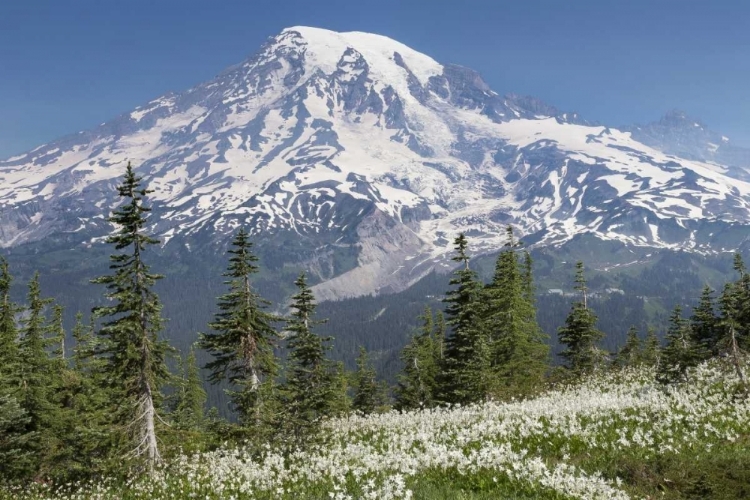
[
  {"x": 518, "y": 348},
  {"x": 368, "y": 394},
  {"x": 135, "y": 356},
  {"x": 418, "y": 382},
  {"x": 631, "y": 353},
  {"x": 243, "y": 340},
  {"x": 680, "y": 352},
  {"x": 15, "y": 455},
  {"x": 189, "y": 411},
  {"x": 579, "y": 335},
  {"x": 651, "y": 354},
  {"x": 311, "y": 384},
  {"x": 464, "y": 376},
  {"x": 704, "y": 325},
  {"x": 8, "y": 330}
]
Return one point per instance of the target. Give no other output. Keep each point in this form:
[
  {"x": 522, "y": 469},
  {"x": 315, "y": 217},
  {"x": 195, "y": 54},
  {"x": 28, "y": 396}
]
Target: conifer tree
[
  {"x": 310, "y": 383},
  {"x": 519, "y": 353},
  {"x": 57, "y": 334},
  {"x": 417, "y": 386},
  {"x": 242, "y": 342},
  {"x": 135, "y": 355},
  {"x": 36, "y": 380},
  {"x": 631, "y": 353},
  {"x": 189, "y": 412},
  {"x": 90, "y": 402},
  {"x": 341, "y": 403},
  {"x": 729, "y": 339},
  {"x": 651, "y": 354},
  {"x": 465, "y": 367},
  {"x": 15, "y": 454},
  {"x": 579, "y": 335},
  {"x": 367, "y": 393},
  {"x": 704, "y": 324},
  {"x": 679, "y": 354},
  {"x": 8, "y": 331}
]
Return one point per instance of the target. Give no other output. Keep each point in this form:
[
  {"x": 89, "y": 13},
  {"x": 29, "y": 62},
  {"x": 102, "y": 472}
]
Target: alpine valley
[{"x": 359, "y": 159}]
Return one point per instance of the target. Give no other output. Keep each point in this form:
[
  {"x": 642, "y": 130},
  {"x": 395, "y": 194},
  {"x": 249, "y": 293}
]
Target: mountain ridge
[{"x": 355, "y": 143}]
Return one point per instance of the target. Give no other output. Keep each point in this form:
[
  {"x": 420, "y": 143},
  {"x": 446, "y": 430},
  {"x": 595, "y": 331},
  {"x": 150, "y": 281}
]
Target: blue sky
[{"x": 68, "y": 65}]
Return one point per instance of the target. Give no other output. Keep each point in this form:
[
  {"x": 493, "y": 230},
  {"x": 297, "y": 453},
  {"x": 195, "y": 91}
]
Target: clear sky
[{"x": 68, "y": 65}]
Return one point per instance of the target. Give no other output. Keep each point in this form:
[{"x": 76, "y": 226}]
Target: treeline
[{"x": 111, "y": 404}]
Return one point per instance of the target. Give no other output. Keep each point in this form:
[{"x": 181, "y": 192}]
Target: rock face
[{"x": 354, "y": 144}]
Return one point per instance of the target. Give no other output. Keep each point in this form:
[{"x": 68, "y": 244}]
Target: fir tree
[
  {"x": 341, "y": 403},
  {"x": 579, "y": 335},
  {"x": 243, "y": 340},
  {"x": 729, "y": 331},
  {"x": 135, "y": 355},
  {"x": 15, "y": 454},
  {"x": 367, "y": 393},
  {"x": 704, "y": 324},
  {"x": 36, "y": 379},
  {"x": 651, "y": 353},
  {"x": 310, "y": 383},
  {"x": 8, "y": 331},
  {"x": 679, "y": 353},
  {"x": 90, "y": 439},
  {"x": 189, "y": 412},
  {"x": 519, "y": 353},
  {"x": 631, "y": 353},
  {"x": 465, "y": 367},
  {"x": 417, "y": 386}
]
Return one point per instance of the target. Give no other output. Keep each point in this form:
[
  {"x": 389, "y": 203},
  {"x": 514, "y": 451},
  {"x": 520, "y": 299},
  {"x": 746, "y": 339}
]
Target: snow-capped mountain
[{"x": 353, "y": 140}]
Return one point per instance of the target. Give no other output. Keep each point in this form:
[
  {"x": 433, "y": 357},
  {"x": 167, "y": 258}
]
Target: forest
[{"x": 112, "y": 398}]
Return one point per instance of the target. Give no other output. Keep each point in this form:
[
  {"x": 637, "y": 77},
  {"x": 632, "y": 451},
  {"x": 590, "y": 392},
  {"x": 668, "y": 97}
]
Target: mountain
[
  {"x": 681, "y": 135},
  {"x": 360, "y": 159}
]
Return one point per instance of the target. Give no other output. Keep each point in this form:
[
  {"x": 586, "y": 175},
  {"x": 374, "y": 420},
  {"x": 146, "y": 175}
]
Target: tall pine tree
[
  {"x": 417, "y": 385},
  {"x": 134, "y": 352},
  {"x": 680, "y": 353},
  {"x": 243, "y": 340},
  {"x": 36, "y": 392},
  {"x": 464, "y": 375},
  {"x": 8, "y": 331},
  {"x": 367, "y": 392},
  {"x": 579, "y": 335},
  {"x": 189, "y": 410},
  {"x": 704, "y": 325},
  {"x": 519, "y": 353},
  {"x": 631, "y": 353},
  {"x": 310, "y": 383}
]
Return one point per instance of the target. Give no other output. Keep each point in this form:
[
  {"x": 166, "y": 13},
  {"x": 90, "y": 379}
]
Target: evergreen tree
[
  {"x": 36, "y": 380},
  {"x": 704, "y": 324},
  {"x": 417, "y": 386},
  {"x": 579, "y": 335},
  {"x": 135, "y": 355},
  {"x": 310, "y": 383},
  {"x": 15, "y": 454},
  {"x": 8, "y": 331},
  {"x": 729, "y": 339},
  {"x": 341, "y": 403},
  {"x": 679, "y": 353},
  {"x": 519, "y": 352},
  {"x": 91, "y": 404},
  {"x": 651, "y": 354},
  {"x": 189, "y": 412},
  {"x": 631, "y": 353},
  {"x": 243, "y": 340},
  {"x": 465, "y": 367},
  {"x": 367, "y": 393}
]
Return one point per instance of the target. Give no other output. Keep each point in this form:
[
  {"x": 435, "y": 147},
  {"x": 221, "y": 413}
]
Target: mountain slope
[{"x": 327, "y": 144}]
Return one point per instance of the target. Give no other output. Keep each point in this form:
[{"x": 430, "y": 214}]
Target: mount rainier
[{"x": 360, "y": 159}]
